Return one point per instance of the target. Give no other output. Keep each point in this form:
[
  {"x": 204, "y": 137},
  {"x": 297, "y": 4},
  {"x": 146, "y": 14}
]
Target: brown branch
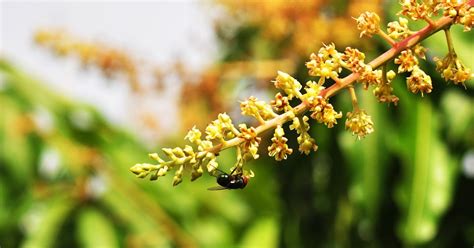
[{"x": 390, "y": 54}]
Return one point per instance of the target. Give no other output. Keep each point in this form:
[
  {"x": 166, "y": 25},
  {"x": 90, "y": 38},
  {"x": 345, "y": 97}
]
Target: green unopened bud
[
  {"x": 196, "y": 173},
  {"x": 154, "y": 176},
  {"x": 178, "y": 176},
  {"x": 140, "y": 168},
  {"x": 391, "y": 75},
  {"x": 177, "y": 180},
  {"x": 143, "y": 174},
  {"x": 162, "y": 171}
]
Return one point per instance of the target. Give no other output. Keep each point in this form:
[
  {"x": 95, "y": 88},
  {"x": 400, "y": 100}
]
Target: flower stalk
[
  {"x": 449, "y": 40},
  {"x": 327, "y": 64}
]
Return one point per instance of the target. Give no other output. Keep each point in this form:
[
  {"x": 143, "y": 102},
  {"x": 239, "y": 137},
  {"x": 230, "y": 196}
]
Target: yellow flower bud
[
  {"x": 288, "y": 84},
  {"x": 194, "y": 135}
]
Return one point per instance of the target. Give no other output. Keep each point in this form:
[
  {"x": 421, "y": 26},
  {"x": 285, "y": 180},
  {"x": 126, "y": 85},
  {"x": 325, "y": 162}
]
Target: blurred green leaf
[
  {"x": 95, "y": 230},
  {"x": 45, "y": 232},
  {"x": 262, "y": 233},
  {"x": 213, "y": 231},
  {"x": 138, "y": 223},
  {"x": 367, "y": 159},
  {"x": 14, "y": 142},
  {"x": 459, "y": 112},
  {"x": 428, "y": 175}
]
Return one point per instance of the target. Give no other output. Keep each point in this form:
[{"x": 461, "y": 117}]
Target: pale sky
[{"x": 155, "y": 31}]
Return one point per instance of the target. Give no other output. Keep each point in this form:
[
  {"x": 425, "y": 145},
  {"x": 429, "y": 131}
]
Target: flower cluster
[
  {"x": 281, "y": 103},
  {"x": 359, "y": 123},
  {"x": 288, "y": 84},
  {"x": 327, "y": 64},
  {"x": 221, "y": 129},
  {"x": 279, "y": 149},
  {"x": 179, "y": 158},
  {"x": 321, "y": 109},
  {"x": 415, "y": 10},
  {"x": 250, "y": 141},
  {"x": 452, "y": 69},
  {"x": 406, "y": 60},
  {"x": 306, "y": 143},
  {"x": 461, "y": 11},
  {"x": 324, "y": 112},
  {"x": 419, "y": 81},
  {"x": 398, "y": 29},
  {"x": 383, "y": 89},
  {"x": 112, "y": 62},
  {"x": 261, "y": 110},
  {"x": 368, "y": 23},
  {"x": 354, "y": 60}
]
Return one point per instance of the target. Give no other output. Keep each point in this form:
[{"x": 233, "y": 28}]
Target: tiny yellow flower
[
  {"x": 221, "y": 129},
  {"x": 370, "y": 77},
  {"x": 354, "y": 59},
  {"x": 359, "y": 123},
  {"x": 466, "y": 16},
  {"x": 178, "y": 176},
  {"x": 296, "y": 124},
  {"x": 312, "y": 89},
  {"x": 279, "y": 149},
  {"x": 251, "y": 141},
  {"x": 368, "y": 23},
  {"x": 420, "y": 51},
  {"x": 419, "y": 81},
  {"x": 194, "y": 136},
  {"x": 452, "y": 69},
  {"x": 383, "y": 89},
  {"x": 281, "y": 103},
  {"x": 307, "y": 144},
  {"x": 325, "y": 64},
  {"x": 415, "y": 10},
  {"x": 398, "y": 29},
  {"x": 323, "y": 112},
  {"x": 406, "y": 60}
]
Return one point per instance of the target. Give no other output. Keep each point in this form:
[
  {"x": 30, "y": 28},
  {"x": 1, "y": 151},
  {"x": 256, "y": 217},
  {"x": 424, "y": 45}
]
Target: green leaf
[
  {"x": 95, "y": 230},
  {"x": 51, "y": 217},
  {"x": 15, "y": 146},
  {"x": 459, "y": 112},
  {"x": 367, "y": 159},
  {"x": 429, "y": 174},
  {"x": 262, "y": 233}
]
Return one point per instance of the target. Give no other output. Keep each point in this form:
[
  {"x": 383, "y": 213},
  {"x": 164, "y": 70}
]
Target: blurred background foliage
[{"x": 64, "y": 178}]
